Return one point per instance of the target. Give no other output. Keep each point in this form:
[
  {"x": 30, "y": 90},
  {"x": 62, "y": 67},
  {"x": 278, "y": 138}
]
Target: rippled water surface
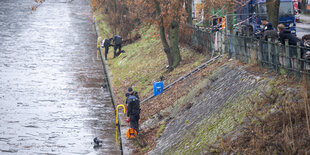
[{"x": 51, "y": 101}]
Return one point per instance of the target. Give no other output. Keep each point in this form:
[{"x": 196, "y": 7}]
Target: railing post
[
  {"x": 261, "y": 50},
  {"x": 235, "y": 42},
  {"x": 250, "y": 50},
  {"x": 276, "y": 55},
  {"x": 212, "y": 43},
  {"x": 229, "y": 44},
  {"x": 269, "y": 53},
  {"x": 287, "y": 56},
  {"x": 257, "y": 44},
  {"x": 245, "y": 37},
  {"x": 242, "y": 47},
  {"x": 219, "y": 41},
  {"x": 223, "y": 41},
  {"x": 299, "y": 61}
]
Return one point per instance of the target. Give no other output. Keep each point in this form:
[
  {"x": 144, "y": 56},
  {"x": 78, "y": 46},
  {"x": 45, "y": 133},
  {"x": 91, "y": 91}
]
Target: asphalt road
[{"x": 304, "y": 27}]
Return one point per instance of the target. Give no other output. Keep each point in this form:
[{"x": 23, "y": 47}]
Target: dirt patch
[
  {"x": 180, "y": 89},
  {"x": 148, "y": 137},
  {"x": 146, "y": 141}
]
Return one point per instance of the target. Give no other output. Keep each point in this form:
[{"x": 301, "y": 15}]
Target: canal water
[{"x": 51, "y": 99}]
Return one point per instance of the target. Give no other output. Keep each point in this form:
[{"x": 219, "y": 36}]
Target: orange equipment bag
[{"x": 131, "y": 133}]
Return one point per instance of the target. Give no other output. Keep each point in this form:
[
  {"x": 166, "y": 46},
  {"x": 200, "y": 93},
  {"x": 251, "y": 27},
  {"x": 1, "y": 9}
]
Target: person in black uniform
[
  {"x": 133, "y": 109},
  {"x": 106, "y": 44},
  {"x": 132, "y": 92},
  {"x": 117, "y": 44}
]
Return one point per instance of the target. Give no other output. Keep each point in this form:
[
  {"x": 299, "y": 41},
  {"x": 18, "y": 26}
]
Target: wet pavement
[{"x": 51, "y": 100}]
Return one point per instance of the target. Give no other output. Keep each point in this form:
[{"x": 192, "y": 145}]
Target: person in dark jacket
[
  {"x": 117, "y": 44},
  {"x": 269, "y": 32},
  {"x": 106, "y": 44},
  {"x": 133, "y": 110},
  {"x": 267, "y": 25},
  {"x": 131, "y": 92},
  {"x": 286, "y": 34}
]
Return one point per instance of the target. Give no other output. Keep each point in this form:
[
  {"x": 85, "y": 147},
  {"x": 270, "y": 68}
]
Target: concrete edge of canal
[{"x": 120, "y": 128}]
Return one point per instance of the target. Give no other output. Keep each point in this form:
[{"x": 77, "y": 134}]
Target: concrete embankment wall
[{"x": 216, "y": 106}]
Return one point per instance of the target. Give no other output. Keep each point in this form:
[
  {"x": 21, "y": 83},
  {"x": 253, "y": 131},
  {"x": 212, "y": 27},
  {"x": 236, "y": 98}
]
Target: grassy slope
[
  {"x": 241, "y": 118},
  {"x": 144, "y": 62},
  {"x": 210, "y": 129},
  {"x": 103, "y": 27}
]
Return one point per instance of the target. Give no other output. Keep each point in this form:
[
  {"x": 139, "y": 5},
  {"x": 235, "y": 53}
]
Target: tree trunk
[
  {"x": 230, "y": 17},
  {"x": 163, "y": 33},
  {"x": 174, "y": 43},
  {"x": 206, "y": 13},
  {"x": 273, "y": 11},
  {"x": 172, "y": 51},
  {"x": 114, "y": 9},
  {"x": 188, "y": 7}
]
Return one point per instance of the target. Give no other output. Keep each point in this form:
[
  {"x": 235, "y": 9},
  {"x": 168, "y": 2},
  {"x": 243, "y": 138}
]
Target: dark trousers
[
  {"x": 106, "y": 53},
  {"x": 119, "y": 47},
  {"x": 134, "y": 122}
]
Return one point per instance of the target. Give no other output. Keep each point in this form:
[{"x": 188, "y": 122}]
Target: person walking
[
  {"x": 106, "y": 44},
  {"x": 133, "y": 109},
  {"x": 117, "y": 44}
]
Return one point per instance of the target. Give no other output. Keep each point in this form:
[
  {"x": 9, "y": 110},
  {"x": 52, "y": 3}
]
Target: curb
[{"x": 108, "y": 77}]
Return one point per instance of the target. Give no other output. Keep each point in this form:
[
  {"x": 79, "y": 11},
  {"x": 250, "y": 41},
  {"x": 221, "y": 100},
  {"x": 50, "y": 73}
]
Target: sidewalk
[{"x": 305, "y": 19}]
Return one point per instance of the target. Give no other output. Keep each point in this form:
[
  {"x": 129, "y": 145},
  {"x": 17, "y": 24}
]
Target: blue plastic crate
[{"x": 158, "y": 88}]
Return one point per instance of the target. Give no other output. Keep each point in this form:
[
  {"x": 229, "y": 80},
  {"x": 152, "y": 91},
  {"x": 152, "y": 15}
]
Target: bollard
[
  {"x": 116, "y": 121},
  {"x": 121, "y": 105}
]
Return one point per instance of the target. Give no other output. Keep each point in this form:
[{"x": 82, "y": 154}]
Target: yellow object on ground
[{"x": 116, "y": 127}]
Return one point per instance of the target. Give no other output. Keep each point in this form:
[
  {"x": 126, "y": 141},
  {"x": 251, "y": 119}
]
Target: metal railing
[{"x": 283, "y": 59}]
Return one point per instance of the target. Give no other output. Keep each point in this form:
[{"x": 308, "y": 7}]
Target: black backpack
[{"x": 134, "y": 103}]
